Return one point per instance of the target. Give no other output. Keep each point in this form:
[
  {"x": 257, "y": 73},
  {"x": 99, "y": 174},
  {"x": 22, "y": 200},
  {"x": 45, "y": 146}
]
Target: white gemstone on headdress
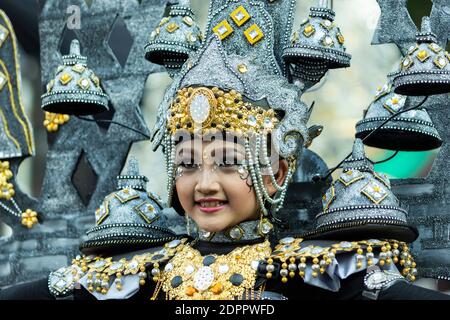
[
  {"x": 253, "y": 34},
  {"x": 222, "y": 30},
  {"x": 267, "y": 123},
  {"x": 240, "y": 15},
  {"x": 199, "y": 108}
]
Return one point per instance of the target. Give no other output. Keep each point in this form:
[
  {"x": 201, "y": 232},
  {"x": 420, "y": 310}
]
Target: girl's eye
[{"x": 188, "y": 165}]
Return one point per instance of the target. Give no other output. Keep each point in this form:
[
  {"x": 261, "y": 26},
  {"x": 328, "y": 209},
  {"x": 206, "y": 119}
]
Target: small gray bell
[
  {"x": 75, "y": 88},
  {"x": 425, "y": 70},
  {"x": 360, "y": 205},
  {"x": 317, "y": 46},
  {"x": 175, "y": 38},
  {"x": 410, "y": 131}
]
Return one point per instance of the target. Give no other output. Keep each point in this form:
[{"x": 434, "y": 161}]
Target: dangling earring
[
  {"x": 188, "y": 227},
  {"x": 264, "y": 226}
]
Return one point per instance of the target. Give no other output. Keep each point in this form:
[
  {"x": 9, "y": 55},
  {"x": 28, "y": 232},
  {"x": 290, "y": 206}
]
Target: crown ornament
[
  {"x": 175, "y": 39},
  {"x": 75, "y": 89},
  {"x": 203, "y": 110},
  {"x": 425, "y": 70}
]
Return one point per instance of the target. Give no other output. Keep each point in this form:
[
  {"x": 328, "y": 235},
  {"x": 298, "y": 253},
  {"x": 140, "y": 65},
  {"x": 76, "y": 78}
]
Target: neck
[{"x": 244, "y": 231}]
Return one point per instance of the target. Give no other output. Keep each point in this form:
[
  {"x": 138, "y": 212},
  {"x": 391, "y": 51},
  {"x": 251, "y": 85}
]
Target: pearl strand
[
  {"x": 267, "y": 161},
  {"x": 260, "y": 178},
  {"x": 254, "y": 178},
  {"x": 17, "y": 213}
]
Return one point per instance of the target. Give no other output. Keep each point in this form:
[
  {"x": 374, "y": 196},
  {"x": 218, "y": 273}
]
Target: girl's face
[
  {"x": 212, "y": 187},
  {"x": 214, "y": 192}
]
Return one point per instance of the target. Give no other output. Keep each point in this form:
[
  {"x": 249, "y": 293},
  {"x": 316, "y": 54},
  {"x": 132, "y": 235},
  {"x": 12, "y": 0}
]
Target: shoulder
[
  {"x": 326, "y": 263},
  {"x": 113, "y": 277}
]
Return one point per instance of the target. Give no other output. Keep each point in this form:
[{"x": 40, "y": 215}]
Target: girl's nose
[{"x": 207, "y": 181}]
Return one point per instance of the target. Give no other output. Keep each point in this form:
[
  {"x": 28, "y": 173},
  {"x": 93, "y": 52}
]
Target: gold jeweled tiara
[{"x": 204, "y": 110}]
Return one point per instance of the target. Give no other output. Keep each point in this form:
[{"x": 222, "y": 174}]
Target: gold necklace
[{"x": 191, "y": 276}]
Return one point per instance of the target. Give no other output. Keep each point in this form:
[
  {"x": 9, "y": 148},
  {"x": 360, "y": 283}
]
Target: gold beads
[
  {"x": 54, "y": 120},
  {"x": 29, "y": 218},
  {"x": 6, "y": 188}
]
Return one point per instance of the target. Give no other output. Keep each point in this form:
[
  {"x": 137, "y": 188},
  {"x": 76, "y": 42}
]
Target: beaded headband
[{"x": 203, "y": 110}]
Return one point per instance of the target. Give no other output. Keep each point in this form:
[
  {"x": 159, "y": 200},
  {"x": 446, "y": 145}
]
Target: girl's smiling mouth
[{"x": 209, "y": 205}]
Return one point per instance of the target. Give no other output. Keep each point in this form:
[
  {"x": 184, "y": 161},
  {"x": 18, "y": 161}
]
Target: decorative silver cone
[
  {"x": 129, "y": 218},
  {"x": 410, "y": 131},
  {"x": 425, "y": 70},
  {"x": 360, "y": 205},
  {"x": 175, "y": 38},
  {"x": 316, "y": 47},
  {"x": 75, "y": 89}
]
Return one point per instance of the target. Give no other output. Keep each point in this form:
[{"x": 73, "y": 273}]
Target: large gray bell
[
  {"x": 410, "y": 131},
  {"x": 129, "y": 218},
  {"x": 360, "y": 205}
]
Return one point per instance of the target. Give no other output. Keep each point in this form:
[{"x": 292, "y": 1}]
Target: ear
[{"x": 280, "y": 176}]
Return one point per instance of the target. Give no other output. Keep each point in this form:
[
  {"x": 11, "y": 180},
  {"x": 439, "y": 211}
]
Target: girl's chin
[
  {"x": 212, "y": 225},
  {"x": 210, "y": 228}
]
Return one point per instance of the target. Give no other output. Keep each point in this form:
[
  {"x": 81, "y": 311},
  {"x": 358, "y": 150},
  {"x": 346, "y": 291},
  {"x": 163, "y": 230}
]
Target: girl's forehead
[{"x": 202, "y": 144}]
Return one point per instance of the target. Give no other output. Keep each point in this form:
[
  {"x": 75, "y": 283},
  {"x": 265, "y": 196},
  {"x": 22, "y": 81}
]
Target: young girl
[{"x": 231, "y": 134}]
